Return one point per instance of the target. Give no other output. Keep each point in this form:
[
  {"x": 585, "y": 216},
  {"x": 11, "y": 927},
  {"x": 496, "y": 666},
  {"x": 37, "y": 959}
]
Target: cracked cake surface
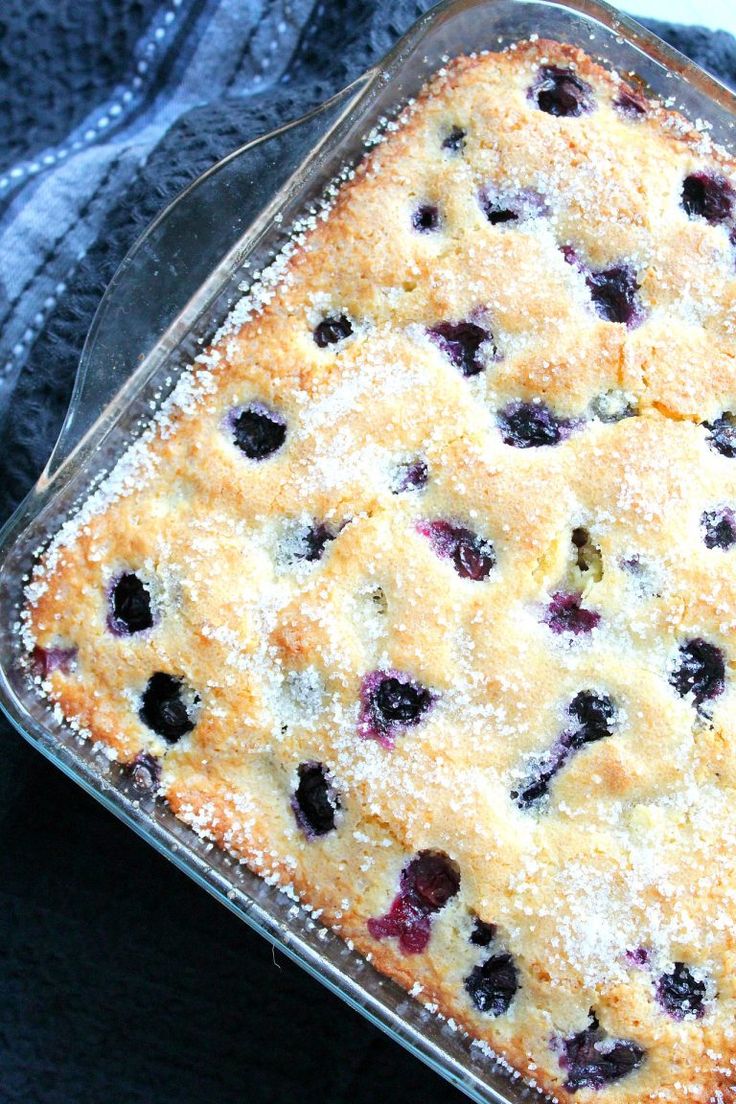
[{"x": 418, "y": 594}]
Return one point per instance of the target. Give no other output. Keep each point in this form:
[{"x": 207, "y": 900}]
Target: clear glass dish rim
[{"x": 304, "y": 951}]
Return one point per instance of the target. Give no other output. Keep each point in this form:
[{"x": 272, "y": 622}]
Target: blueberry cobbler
[{"x": 418, "y": 595}]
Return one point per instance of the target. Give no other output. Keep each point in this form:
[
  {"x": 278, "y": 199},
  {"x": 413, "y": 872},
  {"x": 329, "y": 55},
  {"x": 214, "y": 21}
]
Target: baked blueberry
[
  {"x": 431, "y": 880},
  {"x": 412, "y": 475},
  {"x": 454, "y": 140},
  {"x": 613, "y": 291},
  {"x": 709, "y": 196},
  {"x": 472, "y": 556},
  {"x": 426, "y": 218},
  {"x": 502, "y": 206},
  {"x": 461, "y": 342},
  {"x": 561, "y": 92},
  {"x": 700, "y": 670},
  {"x": 496, "y": 212},
  {"x": 144, "y": 771},
  {"x": 531, "y": 425},
  {"x": 313, "y": 541},
  {"x": 593, "y": 1059},
  {"x": 44, "y": 661},
  {"x": 483, "y": 933},
  {"x": 130, "y": 605},
  {"x": 593, "y": 716},
  {"x": 426, "y": 884},
  {"x": 537, "y": 785},
  {"x": 390, "y": 702},
  {"x": 719, "y": 528},
  {"x": 566, "y": 614},
  {"x": 533, "y": 791},
  {"x": 163, "y": 708},
  {"x": 258, "y": 431},
  {"x": 399, "y": 702},
  {"x": 723, "y": 434},
  {"x": 681, "y": 994},
  {"x": 630, "y": 103},
  {"x": 405, "y": 922},
  {"x": 572, "y": 257},
  {"x": 493, "y": 984},
  {"x": 314, "y": 801},
  {"x": 331, "y": 330},
  {"x": 614, "y": 295}
]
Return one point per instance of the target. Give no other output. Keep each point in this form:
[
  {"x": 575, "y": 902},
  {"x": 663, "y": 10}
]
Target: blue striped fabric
[{"x": 56, "y": 199}]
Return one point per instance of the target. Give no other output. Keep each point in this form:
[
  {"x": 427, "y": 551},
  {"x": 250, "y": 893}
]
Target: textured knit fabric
[{"x": 121, "y": 980}]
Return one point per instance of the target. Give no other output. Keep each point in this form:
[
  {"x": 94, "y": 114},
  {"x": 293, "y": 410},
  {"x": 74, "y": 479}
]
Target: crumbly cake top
[{"x": 418, "y": 595}]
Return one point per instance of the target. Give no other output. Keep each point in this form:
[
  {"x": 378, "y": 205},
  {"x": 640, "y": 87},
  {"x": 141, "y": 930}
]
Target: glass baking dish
[{"x": 168, "y": 297}]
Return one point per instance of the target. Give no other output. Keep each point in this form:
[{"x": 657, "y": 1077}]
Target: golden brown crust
[{"x": 632, "y": 852}]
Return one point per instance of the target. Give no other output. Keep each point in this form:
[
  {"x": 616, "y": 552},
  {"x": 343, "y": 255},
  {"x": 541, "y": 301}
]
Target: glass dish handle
[{"x": 175, "y": 256}]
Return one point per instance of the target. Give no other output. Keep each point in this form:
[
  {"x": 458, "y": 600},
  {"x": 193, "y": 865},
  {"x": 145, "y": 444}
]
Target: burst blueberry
[
  {"x": 531, "y": 425},
  {"x": 130, "y": 605},
  {"x": 592, "y": 1059},
  {"x": 681, "y": 994},
  {"x": 473, "y": 557},
  {"x": 700, "y": 671},
  {"x": 566, "y": 614},
  {"x": 531, "y": 792},
  {"x": 483, "y": 933},
  {"x": 493, "y": 984},
  {"x": 332, "y": 330},
  {"x": 708, "y": 196},
  {"x": 572, "y": 257},
  {"x": 593, "y": 717},
  {"x": 638, "y": 956},
  {"x": 410, "y": 476},
  {"x": 315, "y": 801},
  {"x": 719, "y": 528},
  {"x": 44, "y": 661},
  {"x": 313, "y": 542},
  {"x": 722, "y": 436},
  {"x": 561, "y": 92},
  {"x": 426, "y": 884},
  {"x": 613, "y": 291},
  {"x": 630, "y": 104},
  {"x": 614, "y": 294},
  {"x": 461, "y": 342},
  {"x": 164, "y": 709},
  {"x": 258, "y": 431}
]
